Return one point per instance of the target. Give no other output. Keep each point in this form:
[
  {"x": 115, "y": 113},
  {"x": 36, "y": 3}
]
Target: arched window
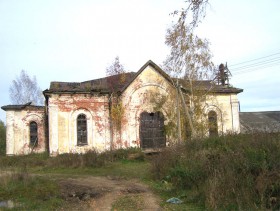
[
  {"x": 33, "y": 129},
  {"x": 81, "y": 130},
  {"x": 213, "y": 124}
]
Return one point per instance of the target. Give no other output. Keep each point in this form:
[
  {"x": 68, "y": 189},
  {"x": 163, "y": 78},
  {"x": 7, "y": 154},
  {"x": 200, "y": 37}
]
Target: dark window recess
[
  {"x": 82, "y": 130},
  {"x": 152, "y": 133},
  {"x": 33, "y": 128},
  {"x": 212, "y": 122}
]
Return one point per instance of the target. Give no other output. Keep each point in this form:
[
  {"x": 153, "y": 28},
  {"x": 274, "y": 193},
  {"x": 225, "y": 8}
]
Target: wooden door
[{"x": 152, "y": 130}]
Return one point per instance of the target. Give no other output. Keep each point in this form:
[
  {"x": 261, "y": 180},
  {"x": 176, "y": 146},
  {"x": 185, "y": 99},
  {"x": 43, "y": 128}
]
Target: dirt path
[{"x": 99, "y": 193}]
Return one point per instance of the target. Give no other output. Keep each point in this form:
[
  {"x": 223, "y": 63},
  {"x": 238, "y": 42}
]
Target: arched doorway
[{"x": 152, "y": 130}]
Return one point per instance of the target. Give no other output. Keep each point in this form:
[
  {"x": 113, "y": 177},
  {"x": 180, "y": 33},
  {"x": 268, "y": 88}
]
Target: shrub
[
  {"x": 2, "y": 138},
  {"x": 74, "y": 160},
  {"x": 228, "y": 172},
  {"x": 67, "y": 160},
  {"x": 90, "y": 159},
  {"x": 123, "y": 154},
  {"x": 22, "y": 161}
]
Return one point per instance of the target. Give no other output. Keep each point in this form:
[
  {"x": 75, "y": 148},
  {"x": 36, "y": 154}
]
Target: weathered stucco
[
  {"x": 18, "y": 134},
  {"x": 140, "y": 97},
  {"x": 63, "y": 112},
  {"x": 151, "y": 91},
  {"x": 227, "y": 108}
]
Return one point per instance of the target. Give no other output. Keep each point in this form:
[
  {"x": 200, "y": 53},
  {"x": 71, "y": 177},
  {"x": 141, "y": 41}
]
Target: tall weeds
[
  {"x": 229, "y": 172},
  {"x": 27, "y": 192},
  {"x": 71, "y": 160}
]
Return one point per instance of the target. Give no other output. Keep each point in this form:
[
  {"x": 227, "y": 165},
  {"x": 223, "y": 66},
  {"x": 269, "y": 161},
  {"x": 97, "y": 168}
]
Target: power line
[
  {"x": 257, "y": 64},
  {"x": 255, "y": 59},
  {"x": 257, "y": 68}
]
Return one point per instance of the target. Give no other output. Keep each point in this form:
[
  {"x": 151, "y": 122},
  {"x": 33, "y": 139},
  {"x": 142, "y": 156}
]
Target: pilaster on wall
[
  {"x": 235, "y": 115},
  {"x": 53, "y": 130},
  {"x": 10, "y": 136}
]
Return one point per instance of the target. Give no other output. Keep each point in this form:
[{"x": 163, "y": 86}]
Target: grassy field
[
  {"x": 234, "y": 172},
  {"x": 30, "y": 181},
  {"x": 28, "y": 192}
]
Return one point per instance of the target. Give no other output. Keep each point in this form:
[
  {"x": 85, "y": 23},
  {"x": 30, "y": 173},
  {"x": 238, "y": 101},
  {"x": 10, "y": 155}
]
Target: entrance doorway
[{"x": 152, "y": 130}]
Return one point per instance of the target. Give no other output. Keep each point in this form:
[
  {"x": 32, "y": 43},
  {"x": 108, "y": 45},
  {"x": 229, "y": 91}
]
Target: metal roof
[
  {"x": 118, "y": 83},
  {"x": 265, "y": 121},
  {"x": 20, "y": 107}
]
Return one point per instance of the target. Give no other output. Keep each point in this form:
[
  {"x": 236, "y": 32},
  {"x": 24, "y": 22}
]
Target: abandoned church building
[{"x": 128, "y": 110}]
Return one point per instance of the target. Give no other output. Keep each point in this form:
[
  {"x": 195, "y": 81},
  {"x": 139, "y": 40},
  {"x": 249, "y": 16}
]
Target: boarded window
[
  {"x": 82, "y": 130},
  {"x": 33, "y": 128},
  {"x": 213, "y": 124}
]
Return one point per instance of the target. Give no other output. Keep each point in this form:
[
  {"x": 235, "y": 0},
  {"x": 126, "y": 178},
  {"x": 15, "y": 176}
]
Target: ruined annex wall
[
  {"x": 18, "y": 130},
  {"x": 63, "y": 112},
  {"x": 142, "y": 95},
  {"x": 227, "y": 108}
]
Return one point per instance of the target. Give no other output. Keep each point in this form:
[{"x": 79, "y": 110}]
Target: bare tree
[
  {"x": 24, "y": 89},
  {"x": 193, "y": 14},
  {"x": 116, "y": 77},
  {"x": 115, "y": 68}
]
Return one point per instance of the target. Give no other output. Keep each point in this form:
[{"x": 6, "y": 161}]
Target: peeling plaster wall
[
  {"x": 63, "y": 112},
  {"x": 227, "y": 108},
  {"x": 10, "y": 136},
  {"x": 136, "y": 99},
  {"x": 18, "y": 134}
]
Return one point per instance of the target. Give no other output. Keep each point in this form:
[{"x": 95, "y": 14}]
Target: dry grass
[
  {"x": 26, "y": 192},
  {"x": 230, "y": 172}
]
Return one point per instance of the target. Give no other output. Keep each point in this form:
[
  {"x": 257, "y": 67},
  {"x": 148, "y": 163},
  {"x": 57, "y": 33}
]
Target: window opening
[
  {"x": 33, "y": 128},
  {"x": 81, "y": 130},
  {"x": 213, "y": 125}
]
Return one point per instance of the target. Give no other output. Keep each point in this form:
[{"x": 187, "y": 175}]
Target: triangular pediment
[{"x": 145, "y": 67}]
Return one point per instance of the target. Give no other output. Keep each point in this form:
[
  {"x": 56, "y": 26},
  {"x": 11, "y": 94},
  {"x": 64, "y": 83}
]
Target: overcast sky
[{"x": 75, "y": 40}]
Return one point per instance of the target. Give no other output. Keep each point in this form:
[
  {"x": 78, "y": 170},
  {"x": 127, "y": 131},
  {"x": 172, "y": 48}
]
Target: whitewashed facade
[{"x": 77, "y": 117}]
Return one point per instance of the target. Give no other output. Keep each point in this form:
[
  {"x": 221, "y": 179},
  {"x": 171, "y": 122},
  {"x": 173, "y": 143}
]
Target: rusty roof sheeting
[
  {"x": 112, "y": 83},
  {"x": 106, "y": 84}
]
